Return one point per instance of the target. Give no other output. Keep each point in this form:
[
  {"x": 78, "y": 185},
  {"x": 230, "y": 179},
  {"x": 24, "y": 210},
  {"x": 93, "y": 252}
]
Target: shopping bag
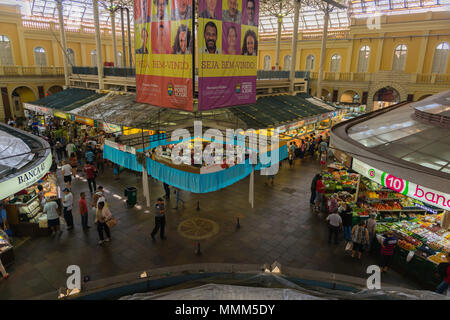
[
  {"x": 111, "y": 222},
  {"x": 409, "y": 256},
  {"x": 349, "y": 246}
]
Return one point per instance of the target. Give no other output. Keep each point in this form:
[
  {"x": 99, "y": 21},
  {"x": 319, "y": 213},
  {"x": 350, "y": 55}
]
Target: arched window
[
  {"x": 40, "y": 58},
  {"x": 267, "y": 63},
  {"x": 94, "y": 58},
  {"x": 119, "y": 59},
  {"x": 71, "y": 56},
  {"x": 6, "y": 57},
  {"x": 310, "y": 62},
  {"x": 399, "y": 58},
  {"x": 335, "y": 65},
  {"x": 287, "y": 62},
  {"x": 440, "y": 58},
  {"x": 363, "y": 59}
]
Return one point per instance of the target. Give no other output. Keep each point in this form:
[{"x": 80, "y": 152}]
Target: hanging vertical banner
[
  {"x": 164, "y": 51},
  {"x": 227, "y": 52}
]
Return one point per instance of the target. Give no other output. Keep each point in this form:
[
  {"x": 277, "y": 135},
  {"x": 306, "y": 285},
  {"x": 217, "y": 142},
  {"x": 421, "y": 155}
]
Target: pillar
[
  {"x": 98, "y": 45},
  {"x": 84, "y": 59},
  {"x": 294, "y": 46},
  {"x": 423, "y": 51},
  {"x": 130, "y": 56},
  {"x": 379, "y": 53},
  {"x": 124, "y": 54},
  {"x": 277, "y": 57},
  {"x": 113, "y": 26},
  {"x": 62, "y": 33},
  {"x": 22, "y": 46},
  {"x": 323, "y": 49}
]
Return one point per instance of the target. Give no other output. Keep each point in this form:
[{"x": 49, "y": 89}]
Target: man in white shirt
[
  {"x": 51, "y": 209},
  {"x": 334, "y": 226},
  {"x": 70, "y": 149},
  {"x": 67, "y": 173},
  {"x": 68, "y": 205}
]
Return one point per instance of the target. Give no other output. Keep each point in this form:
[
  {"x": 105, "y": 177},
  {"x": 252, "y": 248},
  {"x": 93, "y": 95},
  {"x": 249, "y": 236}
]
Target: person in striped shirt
[{"x": 387, "y": 250}]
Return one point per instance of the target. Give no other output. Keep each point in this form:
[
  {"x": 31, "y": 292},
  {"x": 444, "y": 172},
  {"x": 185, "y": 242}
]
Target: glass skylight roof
[{"x": 78, "y": 12}]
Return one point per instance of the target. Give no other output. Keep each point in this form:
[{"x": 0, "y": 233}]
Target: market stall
[
  {"x": 6, "y": 250},
  {"x": 416, "y": 224},
  {"x": 24, "y": 210}
]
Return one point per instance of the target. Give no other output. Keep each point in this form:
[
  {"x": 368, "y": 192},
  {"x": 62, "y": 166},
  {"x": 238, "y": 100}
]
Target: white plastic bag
[
  {"x": 349, "y": 246},
  {"x": 409, "y": 256}
]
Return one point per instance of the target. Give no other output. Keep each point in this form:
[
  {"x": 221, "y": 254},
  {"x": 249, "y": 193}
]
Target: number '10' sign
[{"x": 394, "y": 183}]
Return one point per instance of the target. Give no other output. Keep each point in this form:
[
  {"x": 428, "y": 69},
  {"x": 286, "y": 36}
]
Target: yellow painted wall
[{"x": 10, "y": 30}]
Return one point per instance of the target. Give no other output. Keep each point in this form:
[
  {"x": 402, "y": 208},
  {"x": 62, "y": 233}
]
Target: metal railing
[
  {"x": 131, "y": 72},
  {"x": 31, "y": 71}
]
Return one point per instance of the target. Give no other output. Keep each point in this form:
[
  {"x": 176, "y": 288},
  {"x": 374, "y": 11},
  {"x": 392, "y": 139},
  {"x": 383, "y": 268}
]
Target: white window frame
[
  {"x": 363, "y": 59},
  {"x": 267, "y": 62},
  {"x": 6, "y": 54},
  {"x": 440, "y": 59},
  {"x": 335, "y": 63},
  {"x": 399, "y": 62},
  {"x": 40, "y": 56},
  {"x": 310, "y": 61}
]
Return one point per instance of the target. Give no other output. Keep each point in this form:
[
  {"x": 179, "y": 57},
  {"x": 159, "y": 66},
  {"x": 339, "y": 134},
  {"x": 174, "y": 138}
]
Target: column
[
  {"x": 56, "y": 61},
  {"x": 379, "y": 53},
  {"x": 62, "y": 34},
  {"x": 294, "y": 46},
  {"x": 113, "y": 26},
  {"x": 124, "y": 54},
  {"x": 22, "y": 46},
  {"x": 130, "y": 56},
  {"x": 349, "y": 57},
  {"x": 423, "y": 51},
  {"x": 323, "y": 49},
  {"x": 277, "y": 57},
  {"x": 84, "y": 59},
  {"x": 98, "y": 45}
]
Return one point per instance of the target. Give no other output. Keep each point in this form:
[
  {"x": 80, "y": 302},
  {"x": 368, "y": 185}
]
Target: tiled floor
[{"x": 281, "y": 227}]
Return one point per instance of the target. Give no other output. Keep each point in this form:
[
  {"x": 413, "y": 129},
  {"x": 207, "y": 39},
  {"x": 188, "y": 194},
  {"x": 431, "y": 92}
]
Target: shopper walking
[
  {"x": 91, "y": 172},
  {"x": 371, "y": 227},
  {"x": 302, "y": 149},
  {"x": 291, "y": 158},
  {"x": 323, "y": 149},
  {"x": 333, "y": 204},
  {"x": 167, "y": 190},
  {"x": 51, "y": 209},
  {"x": 444, "y": 272},
  {"x": 59, "y": 150},
  {"x": 101, "y": 216},
  {"x": 89, "y": 155},
  {"x": 334, "y": 226},
  {"x": 360, "y": 237},
  {"x": 70, "y": 148},
  {"x": 387, "y": 250},
  {"x": 73, "y": 161},
  {"x": 313, "y": 189},
  {"x": 67, "y": 173},
  {"x": 347, "y": 217},
  {"x": 178, "y": 194},
  {"x": 160, "y": 219},
  {"x": 99, "y": 161},
  {"x": 320, "y": 191},
  {"x": 99, "y": 196},
  {"x": 82, "y": 205},
  {"x": 68, "y": 205}
]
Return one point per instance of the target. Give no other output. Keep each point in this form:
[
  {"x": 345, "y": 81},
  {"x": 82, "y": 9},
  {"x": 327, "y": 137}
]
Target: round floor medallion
[{"x": 198, "y": 228}]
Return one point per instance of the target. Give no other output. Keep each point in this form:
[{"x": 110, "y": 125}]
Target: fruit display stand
[
  {"x": 423, "y": 236},
  {"x": 342, "y": 183}
]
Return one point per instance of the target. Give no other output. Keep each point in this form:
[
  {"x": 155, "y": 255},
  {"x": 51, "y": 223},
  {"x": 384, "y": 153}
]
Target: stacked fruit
[
  {"x": 406, "y": 245},
  {"x": 413, "y": 241},
  {"x": 438, "y": 258},
  {"x": 435, "y": 246}
]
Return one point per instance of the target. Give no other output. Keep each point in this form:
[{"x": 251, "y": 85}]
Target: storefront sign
[
  {"x": 426, "y": 195},
  {"x": 62, "y": 115},
  {"x": 26, "y": 179},
  {"x": 120, "y": 147},
  {"x": 84, "y": 120},
  {"x": 164, "y": 53},
  {"x": 342, "y": 157},
  {"x": 227, "y": 52},
  {"x": 110, "y": 128}
]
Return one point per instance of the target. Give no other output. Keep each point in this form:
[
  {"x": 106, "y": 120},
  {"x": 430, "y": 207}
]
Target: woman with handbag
[
  {"x": 360, "y": 236},
  {"x": 101, "y": 217}
]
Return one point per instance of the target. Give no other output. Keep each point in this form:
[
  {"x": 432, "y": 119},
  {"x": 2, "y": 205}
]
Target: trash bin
[{"x": 131, "y": 194}]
